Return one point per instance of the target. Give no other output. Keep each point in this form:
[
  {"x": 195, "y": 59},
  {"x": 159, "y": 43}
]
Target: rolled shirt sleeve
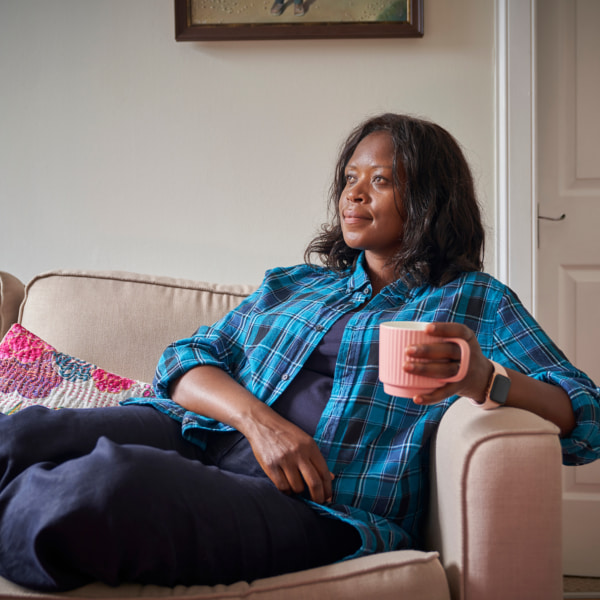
[{"x": 520, "y": 343}]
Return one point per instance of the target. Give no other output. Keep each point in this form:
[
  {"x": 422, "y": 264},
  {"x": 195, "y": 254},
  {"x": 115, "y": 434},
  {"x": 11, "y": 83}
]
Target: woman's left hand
[{"x": 441, "y": 360}]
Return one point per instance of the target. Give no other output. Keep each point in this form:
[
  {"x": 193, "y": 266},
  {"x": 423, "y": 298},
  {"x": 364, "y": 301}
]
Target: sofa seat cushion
[{"x": 400, "y": 575}]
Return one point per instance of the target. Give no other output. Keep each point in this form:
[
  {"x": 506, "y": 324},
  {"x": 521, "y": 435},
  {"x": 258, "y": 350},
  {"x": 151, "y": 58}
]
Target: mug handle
[{"x": 465, "y": 355}]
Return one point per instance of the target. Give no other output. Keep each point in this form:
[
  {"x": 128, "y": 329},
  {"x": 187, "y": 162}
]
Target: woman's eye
[
  {"x": 379, "y": 179},
  {"x": 350, "y": 177}
]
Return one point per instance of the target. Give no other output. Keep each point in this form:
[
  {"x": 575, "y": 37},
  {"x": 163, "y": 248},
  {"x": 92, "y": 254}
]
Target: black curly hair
[{"x": 443, "y": 234}]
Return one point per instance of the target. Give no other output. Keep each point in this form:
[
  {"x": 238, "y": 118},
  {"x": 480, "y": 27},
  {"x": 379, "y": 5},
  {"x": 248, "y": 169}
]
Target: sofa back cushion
[{"x": 121, "y": 322}]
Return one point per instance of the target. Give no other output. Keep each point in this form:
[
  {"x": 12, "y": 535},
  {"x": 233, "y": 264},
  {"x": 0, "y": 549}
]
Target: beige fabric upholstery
[
  {"x": 495, "y": 503},
  {"x": 122, "y": 322},
  {"x": 394, "y": 576},
  {"x": 11, "y": 294}
]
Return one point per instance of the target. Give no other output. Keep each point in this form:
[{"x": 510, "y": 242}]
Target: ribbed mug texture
[
  {"x": 392, "y": 345},
  {"x": 393, "y": 341}
]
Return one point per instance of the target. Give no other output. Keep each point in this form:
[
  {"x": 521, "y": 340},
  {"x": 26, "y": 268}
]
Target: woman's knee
[{"x": 128, "y": 479}]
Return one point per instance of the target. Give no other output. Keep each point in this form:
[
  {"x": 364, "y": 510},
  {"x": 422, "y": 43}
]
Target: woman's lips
[{"x": 353, "y": 217}]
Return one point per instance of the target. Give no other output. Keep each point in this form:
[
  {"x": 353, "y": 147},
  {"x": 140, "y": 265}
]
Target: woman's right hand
[{"x": 289, "y": 456}]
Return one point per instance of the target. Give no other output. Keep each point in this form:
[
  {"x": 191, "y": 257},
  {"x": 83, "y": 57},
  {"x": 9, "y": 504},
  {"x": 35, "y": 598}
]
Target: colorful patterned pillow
[{"x": 33, "y": 372}]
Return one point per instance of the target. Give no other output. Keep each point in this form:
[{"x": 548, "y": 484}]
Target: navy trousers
[{"x": 117, "y": 495}]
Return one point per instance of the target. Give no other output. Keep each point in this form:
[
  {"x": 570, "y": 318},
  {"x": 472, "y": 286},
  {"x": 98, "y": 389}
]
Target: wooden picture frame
[{"x": 200, "y": 20}]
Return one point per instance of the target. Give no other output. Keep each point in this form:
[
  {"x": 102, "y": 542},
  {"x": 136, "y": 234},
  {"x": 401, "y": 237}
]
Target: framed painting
[{"x": 204, "y": 20}]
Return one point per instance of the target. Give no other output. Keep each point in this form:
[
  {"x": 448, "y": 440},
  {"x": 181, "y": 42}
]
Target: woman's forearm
[
  {"x": 288, "y": 455},
  {"x": 211, "y": 392},
  {"x": 548, "y": 401}
]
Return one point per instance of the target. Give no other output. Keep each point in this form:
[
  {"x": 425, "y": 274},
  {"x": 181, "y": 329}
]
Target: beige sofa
[{"x": 494, "y": 526}]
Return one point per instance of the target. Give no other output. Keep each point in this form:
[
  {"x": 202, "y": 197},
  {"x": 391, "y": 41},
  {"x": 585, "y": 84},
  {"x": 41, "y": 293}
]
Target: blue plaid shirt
[{"x": 377, "y": 445}]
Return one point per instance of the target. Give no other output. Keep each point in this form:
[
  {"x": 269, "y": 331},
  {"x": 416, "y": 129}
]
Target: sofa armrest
[
  {"x": 12, "y": 292},
  {"x": 495, "y": 513}
]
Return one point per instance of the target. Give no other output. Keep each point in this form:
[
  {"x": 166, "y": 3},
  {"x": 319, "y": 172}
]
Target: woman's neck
[{"x": 380, "y": 274}]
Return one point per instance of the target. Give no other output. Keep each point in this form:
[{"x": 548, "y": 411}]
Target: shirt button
[
  {"x": 285, "y": 377},
  {"x": 319, "y": 327}
]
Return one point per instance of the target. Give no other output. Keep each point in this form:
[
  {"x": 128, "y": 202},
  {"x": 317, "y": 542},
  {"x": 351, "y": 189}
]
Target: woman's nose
[{"x": 356, "y": 193}]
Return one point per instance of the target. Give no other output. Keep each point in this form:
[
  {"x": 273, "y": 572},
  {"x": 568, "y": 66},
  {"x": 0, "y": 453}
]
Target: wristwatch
[{"x": 497, "y": 389}]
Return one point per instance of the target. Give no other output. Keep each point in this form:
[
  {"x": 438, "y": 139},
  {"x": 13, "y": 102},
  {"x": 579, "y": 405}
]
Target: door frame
[{"x": 515, "y": 188}]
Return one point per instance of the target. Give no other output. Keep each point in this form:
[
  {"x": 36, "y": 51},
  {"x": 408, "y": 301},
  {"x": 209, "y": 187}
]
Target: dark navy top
[{"x": 301, "y": 403}]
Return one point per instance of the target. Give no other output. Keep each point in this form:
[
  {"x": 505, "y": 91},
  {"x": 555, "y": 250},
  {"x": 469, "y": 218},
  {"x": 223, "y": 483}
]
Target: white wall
[{"x": 123, "y": 149}]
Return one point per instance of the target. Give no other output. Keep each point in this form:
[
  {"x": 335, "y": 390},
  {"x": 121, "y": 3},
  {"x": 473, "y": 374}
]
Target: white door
[{"x": 568, "y": 182}]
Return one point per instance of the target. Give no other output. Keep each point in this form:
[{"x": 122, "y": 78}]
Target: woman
[{"x": 271, "y": 445}]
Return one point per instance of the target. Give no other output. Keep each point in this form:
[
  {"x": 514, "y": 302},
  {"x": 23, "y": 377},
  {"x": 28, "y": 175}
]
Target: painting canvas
[{"x": 263, "y": 19}]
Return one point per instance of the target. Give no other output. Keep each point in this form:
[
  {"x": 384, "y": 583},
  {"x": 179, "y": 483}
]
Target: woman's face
[{"x": 369, "y": 213}]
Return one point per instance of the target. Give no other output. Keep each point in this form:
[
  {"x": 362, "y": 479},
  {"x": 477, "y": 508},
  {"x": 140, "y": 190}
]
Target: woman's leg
[
  {"x": 134, "y": 513},
  {"x": 37, "y": 434}
]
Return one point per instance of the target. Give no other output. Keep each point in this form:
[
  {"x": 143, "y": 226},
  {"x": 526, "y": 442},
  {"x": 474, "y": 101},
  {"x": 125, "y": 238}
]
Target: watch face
[{"x": 500, "y": 387}]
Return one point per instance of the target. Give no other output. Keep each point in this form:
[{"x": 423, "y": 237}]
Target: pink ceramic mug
[{"x": 394, "y": 338}]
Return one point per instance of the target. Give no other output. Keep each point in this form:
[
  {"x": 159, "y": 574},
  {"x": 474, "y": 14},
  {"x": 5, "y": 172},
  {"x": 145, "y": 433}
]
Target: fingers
[
  {"x": 436, "y": 396},
  {"x": 296, "y": 479},
  {"x": 450, "y": 329},
  {"x": 441, "y": 360},
  {"x": 312, "y": 474},
  {"x": 438, "y": 369},
  {"x": 308, "y": 477},
  {"x": 294, "y": 462},
  {"x": 318, "y": 481}
]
